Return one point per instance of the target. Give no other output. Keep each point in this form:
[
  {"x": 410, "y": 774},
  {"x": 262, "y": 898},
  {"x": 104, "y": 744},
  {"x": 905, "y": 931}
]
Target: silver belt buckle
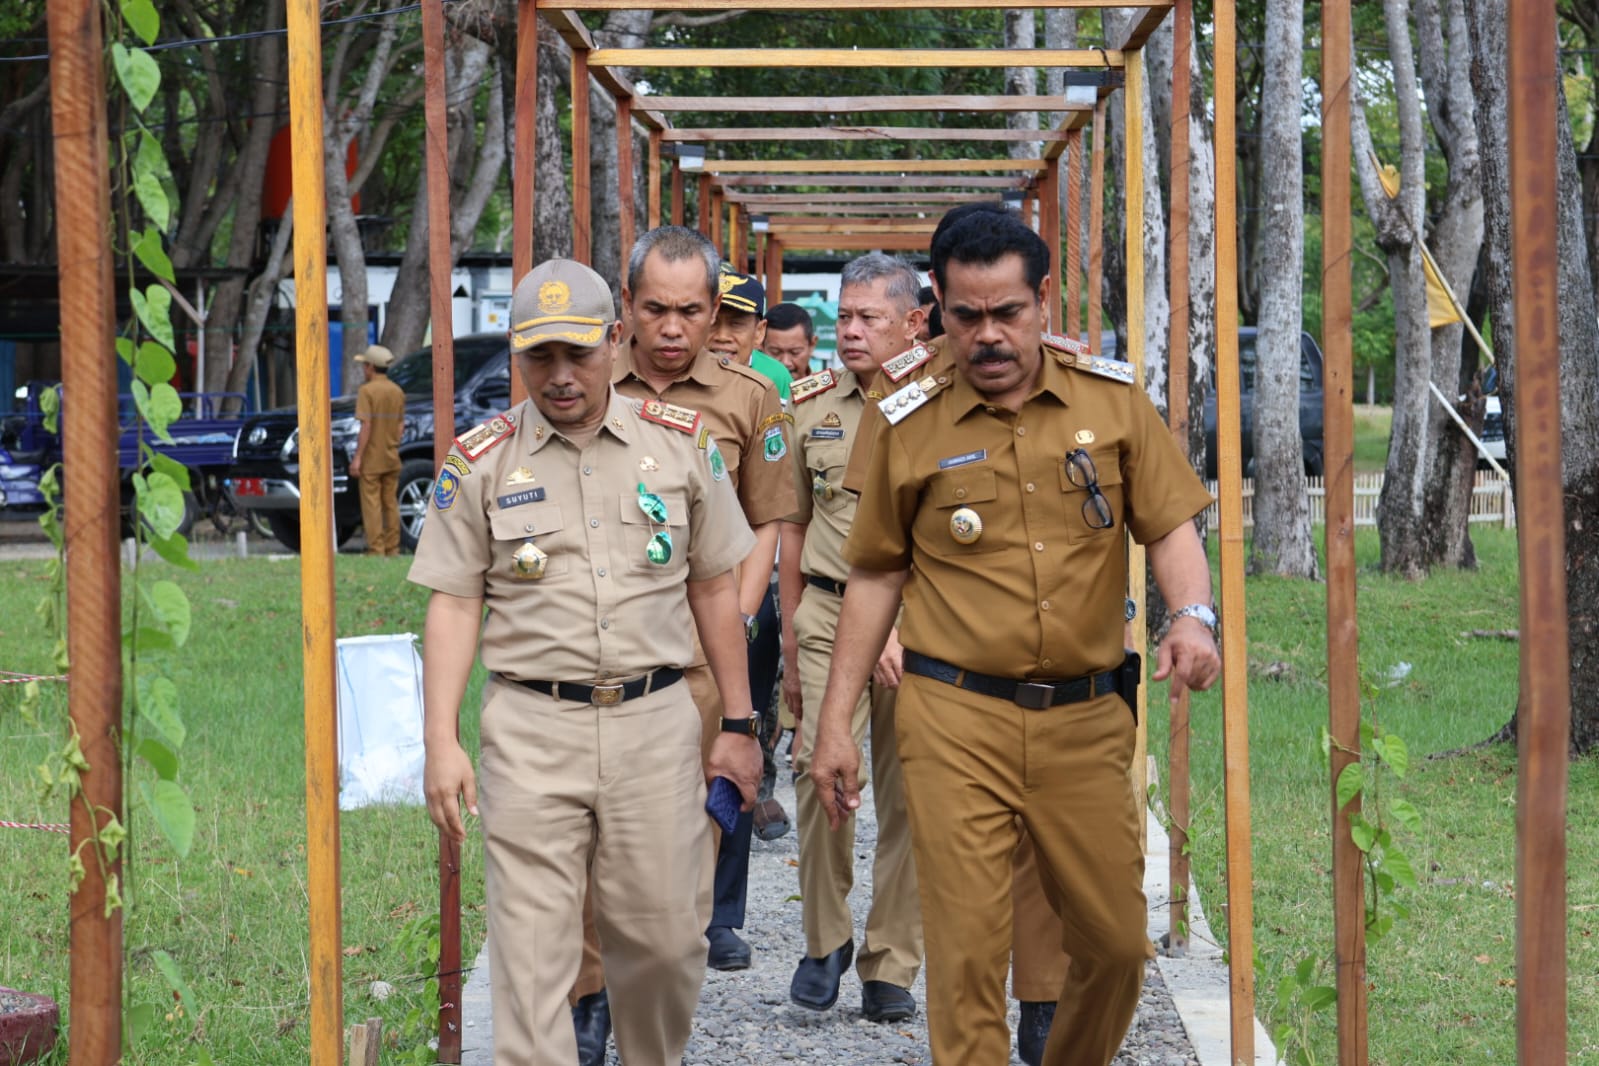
[
  {"x": 1034, "y": 696},
  {"x": 606, "y": 695}
]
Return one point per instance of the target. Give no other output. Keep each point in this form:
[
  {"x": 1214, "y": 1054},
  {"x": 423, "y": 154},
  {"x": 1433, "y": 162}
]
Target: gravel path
[{"x": 746, "y": 1017}]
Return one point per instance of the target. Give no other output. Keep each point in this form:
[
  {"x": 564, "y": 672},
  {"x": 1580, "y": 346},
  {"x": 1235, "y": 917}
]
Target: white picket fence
[{"x": 1490, "y": 500}]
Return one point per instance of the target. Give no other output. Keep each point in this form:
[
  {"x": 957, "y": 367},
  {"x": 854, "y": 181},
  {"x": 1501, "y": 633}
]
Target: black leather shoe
[
  {"x": 592, "y": 1020},
  {"x": 728, "y": 951},
  {"x": 883, "y": 1002},
  {"x": 815, "y": 983},
  {"x": 1032, "y": 1032}
]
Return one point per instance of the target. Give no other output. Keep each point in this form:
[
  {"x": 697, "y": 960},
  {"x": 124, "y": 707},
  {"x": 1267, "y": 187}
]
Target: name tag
[
  {"x": 961, "y": 460},
  {"x": 827, "y": 434},
  {"x": 516, "y": 499}
]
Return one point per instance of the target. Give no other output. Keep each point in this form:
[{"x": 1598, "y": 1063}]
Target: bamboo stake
[
  {"x": 1072, "y": 268},
  {"x": 624, "y": 177},
  {"x": 652, "y": 217},
  {"x": 1096, "y": 231},
  {"x": 1343, "y": 637},
  {"x": 1137, "y": 575},
  {"x": 1234, "y": 646},
  {"x": 1543, "y": 729},
  {"x": 1178, "y": 790},
  {"x": 89, "y": 436},
  {"x": 316, "y": 533},
  {"x": 582, "y": 160},
  {"x": 439, "y": 264}
]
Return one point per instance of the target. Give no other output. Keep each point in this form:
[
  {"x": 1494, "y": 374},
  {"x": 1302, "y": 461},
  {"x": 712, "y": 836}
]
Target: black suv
[
  {"x": 1310, "y": 402},
  {"x": 264, "y": 476}
]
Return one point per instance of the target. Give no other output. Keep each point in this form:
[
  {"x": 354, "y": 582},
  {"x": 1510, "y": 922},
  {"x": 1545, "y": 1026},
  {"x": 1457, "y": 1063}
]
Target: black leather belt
[
  {"x": 826, "y": 584},
  {"x": 603, "y": 695},
  {"x": 1034, "y": 695}
]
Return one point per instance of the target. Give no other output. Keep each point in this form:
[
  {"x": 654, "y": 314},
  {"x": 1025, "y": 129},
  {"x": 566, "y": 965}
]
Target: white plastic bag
[{"x": 380, "y": 720}]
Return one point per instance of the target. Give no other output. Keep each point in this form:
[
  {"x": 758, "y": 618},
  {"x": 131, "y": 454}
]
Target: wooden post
[
  {"x": 652, "y": 210},
  {"x": 677, "y": 193},
  {"x": 1543, "y": 727},
  {"x": 366, "y": 1043},
  {"x": 760, "y": 260},
  {"x": 1234, "y": 666},
  {"x": 1072, "y": 268},
  {"x": 1338, "y": 420},
  {"x": 703, "y": 207},
  {"x": 1049, "y": 225},
  {"x": 317, "y": 627},
  {"x": 1137, "y": 574},
  {"x": 443, "y": 313},
  {"x": 717, "y": 233},
  {"x": 1177, "y": 774},
  {"x": 92, "y": 516},
  {"x": 523, "y": 166},
  {"x": 1096, "y": 230},
  {"x": 582, "y": 159},
  {"x": 774, "y": 270},
  {"x": 624, "y": 177}
]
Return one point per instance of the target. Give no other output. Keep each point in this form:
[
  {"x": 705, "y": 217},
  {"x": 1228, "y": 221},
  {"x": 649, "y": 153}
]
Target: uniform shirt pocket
[
  {"x": 637, "y": 529},
  {"x": 825, "y": 461},
  {"x": 1076, "y": 499},
  {"x": 952, "y": 493},
  {"x": 536, "y": 522}
]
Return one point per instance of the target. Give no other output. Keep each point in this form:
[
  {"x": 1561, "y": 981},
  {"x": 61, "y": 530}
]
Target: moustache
[{"x": 989, "y": 353}]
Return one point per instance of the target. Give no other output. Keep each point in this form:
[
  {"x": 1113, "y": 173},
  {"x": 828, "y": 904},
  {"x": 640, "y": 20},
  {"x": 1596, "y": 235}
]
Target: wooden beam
[
  {"x": 909, "y": 199},
  {"x": 1049, "y": 229},
  {"x": 317, "y": 601},
  {"x": 1543, "y": 727},
  {"x": 626, "y": 212},
  {"x": 92, "y": 517},
  {"x": 883, "y": 181},
  {"x": 870, "y": 58},
  {"x": 1138, "y": 33},
  {"x": 861, "y": 226},
  {"x": 577, "y": 37},
  {"x": 1234, "y": 644},
  {"x": 862, "y": 215},
  {"x": 1096, "y": 232},
  {"x": 856, "y": 133},
  {"x": 824, "y": 105},
  {"x": 1072, "y": 268},
  {"x": 582, "y": 160},
  {"x": 818, "y": 5},
  {"x": 652, "y": 199},
  {"x": 888, "y": 242},
  {"x": 702, "y": 205},
  {"x": 869, "y": 166},
  {"x": 1133, "y": 184}
]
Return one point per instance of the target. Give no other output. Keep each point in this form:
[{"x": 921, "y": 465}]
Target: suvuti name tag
[
  {"x": 516, "y": 499},
  {"x": 961, "y": 460},
  {"x": 827, "y": 434}
]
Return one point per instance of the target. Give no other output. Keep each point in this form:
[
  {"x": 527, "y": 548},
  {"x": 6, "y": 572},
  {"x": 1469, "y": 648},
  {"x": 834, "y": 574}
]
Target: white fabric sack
[{"x": 380, "y": 720}]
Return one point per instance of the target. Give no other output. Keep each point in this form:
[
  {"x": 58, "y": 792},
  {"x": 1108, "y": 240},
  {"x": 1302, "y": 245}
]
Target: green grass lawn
[
  {"x": 1373, "y": 425},
  {"x": 1442, "y": 985},
  {"x": 233, "y": 914}
]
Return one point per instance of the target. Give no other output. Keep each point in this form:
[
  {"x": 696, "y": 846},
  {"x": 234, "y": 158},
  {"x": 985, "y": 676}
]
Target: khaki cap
[
  {"x": 378, "y": 356},
  {"x": 560, "y": 300}
]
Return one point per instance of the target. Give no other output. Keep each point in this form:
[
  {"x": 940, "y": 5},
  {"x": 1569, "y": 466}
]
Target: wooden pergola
[{"x": 753, "y": 210}]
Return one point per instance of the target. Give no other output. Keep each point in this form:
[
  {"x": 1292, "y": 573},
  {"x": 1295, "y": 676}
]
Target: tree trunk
[
  {"x": 552, "y": 207},
  {"x": 1579, "y": 348},
  {"x": 1021, "y": 32},
  {"x": 1282, "y": 543},
  {"x": 623, "y": 29}
]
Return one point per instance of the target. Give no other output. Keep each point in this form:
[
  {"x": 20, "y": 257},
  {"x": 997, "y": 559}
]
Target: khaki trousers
[
  {"x": 977, "y": 770},
  {"x": 568, "y": 790},
  {"x": 892, "y": 949},
  {"x": 1037, "y": 964},
  {"x": 380, "y": 512}
]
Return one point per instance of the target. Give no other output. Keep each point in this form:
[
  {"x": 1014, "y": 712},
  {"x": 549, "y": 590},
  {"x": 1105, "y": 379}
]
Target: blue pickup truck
[{"x": 202, "y": 440}]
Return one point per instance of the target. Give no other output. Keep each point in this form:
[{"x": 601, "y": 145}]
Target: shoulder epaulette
[
  {"x": 1070, "y": 344},
  {"x": 683, "y": 419},
  {"x": 1099, "y": 365},
  {"x": 809, "y": 387},
  {"x": 480, "y": 438},
  {"x": 906, "y": 363},
  {"x": 908, "y": 399}
]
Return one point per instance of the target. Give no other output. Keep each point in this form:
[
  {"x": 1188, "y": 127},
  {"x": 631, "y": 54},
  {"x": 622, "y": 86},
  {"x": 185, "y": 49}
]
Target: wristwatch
[
  {"x": 752, "y": 627},
  {"x": 1201, "y": 611},
  {"x": 745, "y": 727}
]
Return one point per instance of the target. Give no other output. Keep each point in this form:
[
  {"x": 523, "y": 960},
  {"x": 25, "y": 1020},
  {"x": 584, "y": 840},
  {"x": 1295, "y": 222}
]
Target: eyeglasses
[
  {"x": 1096, "y": 509},
  {"x": 659, "y": 549}
]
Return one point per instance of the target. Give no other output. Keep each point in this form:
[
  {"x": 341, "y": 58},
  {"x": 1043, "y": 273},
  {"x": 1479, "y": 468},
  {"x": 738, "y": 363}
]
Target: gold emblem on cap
[
  {"x": 965, "y": 526},
  {"x": 529, "y": 562},
  {"x": 520, "y": 476},
  {"x": 1085, "y": 436},
  {"x": 554, "y": 297},
  {"x": 648, "y": 464},
  {"x": 728, "y": 282}
]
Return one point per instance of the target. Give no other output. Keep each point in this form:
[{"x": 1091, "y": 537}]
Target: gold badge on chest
[
  {"x": 520, "y": 476},
  {"x": 1085, "y": 436},
  {"x": 965, "y": 526},
  {"x": 528, "y": 562},
  {"x": 648, "y": 464}
]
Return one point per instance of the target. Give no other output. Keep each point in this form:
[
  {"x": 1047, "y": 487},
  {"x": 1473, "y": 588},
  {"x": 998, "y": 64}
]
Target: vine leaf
[
  {"x": 167, "y": 465},
  {"x": 1350, "y": 783},
  {"x": 175, "y": 550},
  {"x": 140, "y": 1019},
  {"x": 160, "y": 503},
  {"x": 142, "y": 19},
  {"x": 174, "y": 813},
  {"x": 138, "y": 72},
  {"x": 160, "y": 757},
  {"x": 154, "y": 308},
  {"x": 149, "y": 252},
  {"x": 152, "y": 197},
  {"x": 125, "y": 351},
  {"x": 157, "y": 701},
  {"x": 171, "y": 605},
  {"x": 1364, "y": 836},
  {"x": 1319, "y": 997},
  {"x": 1404, "y": 812},
  {"x": 153, "y": 366},
  {"x": 174, "y": 978}
]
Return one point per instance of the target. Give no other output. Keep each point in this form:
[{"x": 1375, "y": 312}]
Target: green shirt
[{"x": 779, "y": 374}]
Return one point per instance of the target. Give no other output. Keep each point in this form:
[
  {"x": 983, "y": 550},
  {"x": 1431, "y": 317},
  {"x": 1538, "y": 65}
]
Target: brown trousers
[
  {"x": 380, "y": 512},
  {"x": 606, "y": 802},
  {"x": 977, "y": 771}
]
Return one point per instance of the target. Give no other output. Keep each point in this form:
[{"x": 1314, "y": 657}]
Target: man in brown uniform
[
  {"x": 998, "y": 504},
  {"x": 380, "y": 408},
  {"x": 877, "y": 318},
  {"x": 581, "y": 520}
]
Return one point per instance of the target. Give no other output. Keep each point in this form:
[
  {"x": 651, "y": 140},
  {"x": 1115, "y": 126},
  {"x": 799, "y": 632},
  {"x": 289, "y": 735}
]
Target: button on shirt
[
  {"x": 597, "y": 611},
  {"x": 1039, "y": 592},
  {"x": 825, "y": 427}
]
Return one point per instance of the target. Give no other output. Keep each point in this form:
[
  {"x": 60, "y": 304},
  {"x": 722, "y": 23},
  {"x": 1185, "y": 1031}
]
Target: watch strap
[{"x": 743, "y": 726}]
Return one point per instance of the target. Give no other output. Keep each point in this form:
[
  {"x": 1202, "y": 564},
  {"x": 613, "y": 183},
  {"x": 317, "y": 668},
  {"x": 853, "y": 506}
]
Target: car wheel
[
  {"x": 285, "y": 526},
  {"x": 416, "y": 485},
  {"x": 1315, "y": 465}
]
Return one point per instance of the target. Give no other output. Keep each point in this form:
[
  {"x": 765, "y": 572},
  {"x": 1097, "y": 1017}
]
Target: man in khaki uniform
[
  {"x": 877, "y": 319},
  {"x": 380, "y": 408},
  {"x": 579, "y": 520},
  {"x": 997, "y": 504}
]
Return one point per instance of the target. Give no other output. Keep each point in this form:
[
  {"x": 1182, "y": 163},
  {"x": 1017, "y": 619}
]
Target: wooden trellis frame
[{"x": 88, "y": 324}]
